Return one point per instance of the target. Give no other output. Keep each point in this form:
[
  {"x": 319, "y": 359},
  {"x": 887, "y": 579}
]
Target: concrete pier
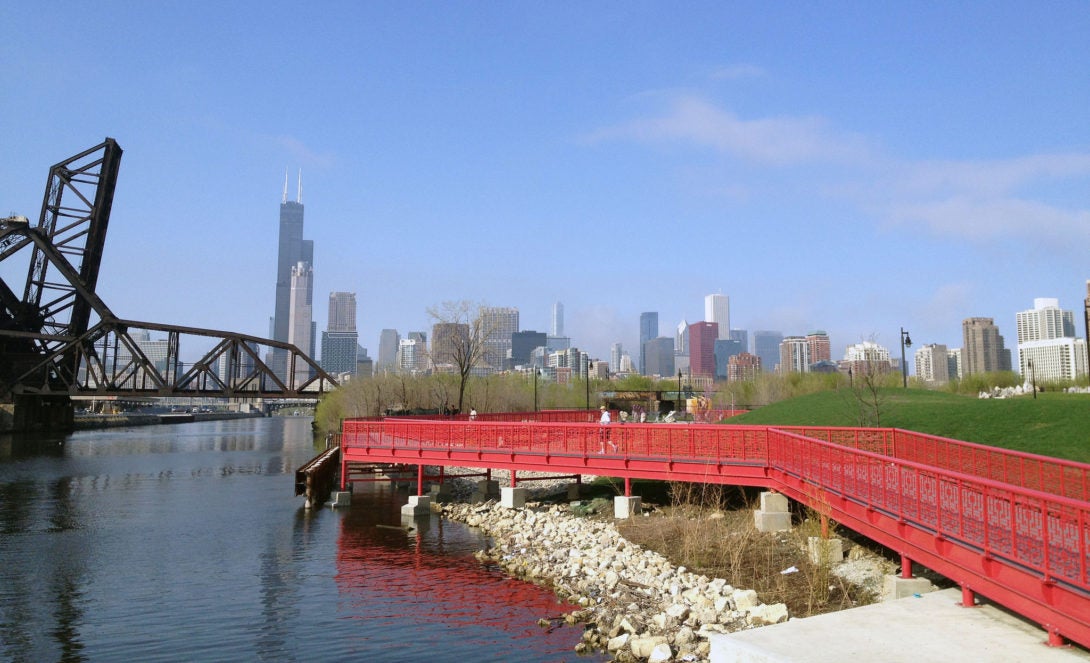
[
  {"x": 626, "y": 507},
  {"x": 513, "y": 498},
  {"x": 419, "y": 505},
  {"x": 773, "y": 516}
]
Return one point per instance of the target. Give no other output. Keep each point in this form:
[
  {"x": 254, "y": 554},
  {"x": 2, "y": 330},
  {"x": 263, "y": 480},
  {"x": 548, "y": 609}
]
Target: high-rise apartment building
[
  {"x": 982, "y": 349},
  {"x": 724, "y": 350},
  {"x": 932, "y": 364},
  {"x": 702, "y": 338},
  {"x": 558, "y": 319},
  {"x": 498, "y": 324},
  {"x": 742, "y": 336},
  {"x": 766, "y": 345},
  {"x": 820, "y": 349},
  {"x": 388, "y": 342},
  {"x": 953, "y": 364},
  {"x": 867, "y": 358},
  {"x": 340, "y": 341},
  {"x": 717, "y": 310},
  {"x": 291, "y": 251},
  {"x": 794, "y": 355},
  {"x": 649, "y": 329},
  {"x": 421, "y": 362},
  {"x": 743, "y": 366},
  {"x": 1047, "y": 347}
]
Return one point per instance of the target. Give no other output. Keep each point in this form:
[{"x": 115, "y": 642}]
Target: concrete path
[{"x": 931, "y": 627}]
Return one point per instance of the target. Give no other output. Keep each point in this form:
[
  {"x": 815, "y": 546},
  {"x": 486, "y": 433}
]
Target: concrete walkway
[{"x": 931, "y": 627}]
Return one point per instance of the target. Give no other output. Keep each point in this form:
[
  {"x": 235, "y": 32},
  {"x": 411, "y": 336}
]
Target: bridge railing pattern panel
[{"x": 1029, "y": 529}]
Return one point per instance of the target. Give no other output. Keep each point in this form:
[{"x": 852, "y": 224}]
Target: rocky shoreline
[{"x": 633, "y": 602}]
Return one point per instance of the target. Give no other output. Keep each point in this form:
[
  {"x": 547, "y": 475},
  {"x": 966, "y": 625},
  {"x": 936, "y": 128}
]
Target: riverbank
[{"x": 634, "y": 603}]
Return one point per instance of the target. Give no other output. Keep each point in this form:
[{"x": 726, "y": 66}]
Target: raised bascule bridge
[{"x": 59, "y": 340}]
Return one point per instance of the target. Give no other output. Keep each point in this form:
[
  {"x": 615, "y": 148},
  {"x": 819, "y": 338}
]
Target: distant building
[
  {"x": 523, "y": 344},
  {"x": 743, "y": 367},
  {"x": 300, "y": 315},
  {"x": 558, "y": 320},
  {"x": 742, "y": 336},
  {"x": 717, "y": 310},
  {"x": 448, "y": 345},
  {"x": 1047, "y": 347},
  {"x": 794, "y": 355},
  {"x": 421, "y": 360},
  {"x": 498, "y": 325},
  {"x": 292, "y": 251},
  {"x": 932, "y": 364},
  {"x": 388, "y": 341},
  {"x": 820, "y": 349},
  {"x": 681, "y": 339},
  {"x": 340, "y": 341},
  {"x": 659, "y": 356},
  {"x": 615, "y": 354},
  {"x": 766, "y": 345},
  {"x": 982, "y": 349},
  {"x": 724, "y": 350},
  {"x": 953, "y": 364},
  {"x": 866, "y": 358},
  {"x": 649, "y": 329},
  {"x": 702, "y": 338}
]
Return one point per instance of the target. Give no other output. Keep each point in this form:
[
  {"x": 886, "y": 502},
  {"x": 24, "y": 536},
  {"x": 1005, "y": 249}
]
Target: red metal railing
[{"x": 1014, "y": 526}]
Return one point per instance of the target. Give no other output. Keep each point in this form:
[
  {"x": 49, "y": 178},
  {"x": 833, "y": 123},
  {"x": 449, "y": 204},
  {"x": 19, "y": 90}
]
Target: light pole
[
  {"x": 588, "y": 384},
  {"x": 906, "y": 342},
  {"x": 535, "y": 388},
  {"x": 1033, "y": 377}
]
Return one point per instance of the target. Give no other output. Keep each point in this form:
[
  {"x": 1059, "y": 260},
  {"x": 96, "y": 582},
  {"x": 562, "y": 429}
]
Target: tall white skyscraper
[
  {"x": 300, "y": 310},
  {"x": 717, "y": 309},
  {"x": 558, "y": 319}
]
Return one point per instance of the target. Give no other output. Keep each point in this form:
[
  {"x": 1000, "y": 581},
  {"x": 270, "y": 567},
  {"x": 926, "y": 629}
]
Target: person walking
[{"x": 603, "y": 433}]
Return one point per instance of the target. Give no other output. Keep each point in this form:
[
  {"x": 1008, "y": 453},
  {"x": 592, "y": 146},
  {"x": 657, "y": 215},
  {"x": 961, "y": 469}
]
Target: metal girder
[{"x": 60, "y": 338}]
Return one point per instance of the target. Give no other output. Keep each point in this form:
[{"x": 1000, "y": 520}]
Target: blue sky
[{"x": 836, "y": 166}]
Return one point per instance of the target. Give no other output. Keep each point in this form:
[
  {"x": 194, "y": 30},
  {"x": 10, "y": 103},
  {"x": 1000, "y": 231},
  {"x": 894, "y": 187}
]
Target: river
[{"x": 184, "y": 542}]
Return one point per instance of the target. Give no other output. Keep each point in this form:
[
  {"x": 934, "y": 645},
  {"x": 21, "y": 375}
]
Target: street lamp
[
  {"x": 1033, "y": 377},
  {"x": 535, "y": 388},
  {"x": 679, "y": 391},
  {"x": 906, "y": 342},
  {"x": 589, "y": 365}
]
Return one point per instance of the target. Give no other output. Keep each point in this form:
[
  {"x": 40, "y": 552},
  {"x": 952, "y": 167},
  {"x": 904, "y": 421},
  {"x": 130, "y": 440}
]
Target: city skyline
[{"x": 850, "y": 169}]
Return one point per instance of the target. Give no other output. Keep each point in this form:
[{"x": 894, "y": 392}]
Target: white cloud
[{"x": 776, "y": 141}]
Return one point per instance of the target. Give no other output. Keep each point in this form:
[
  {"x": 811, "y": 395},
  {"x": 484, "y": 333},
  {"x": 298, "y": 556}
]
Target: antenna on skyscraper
[
  {"x": 285, "y": 198},
  {"x": 299, "y": 195}
]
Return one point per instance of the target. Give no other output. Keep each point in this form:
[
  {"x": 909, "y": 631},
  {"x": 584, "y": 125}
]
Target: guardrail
[{"x": 1011, "y": 525}]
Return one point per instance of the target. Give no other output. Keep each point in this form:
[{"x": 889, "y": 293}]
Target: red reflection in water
[{"x": 430, "y": 577}]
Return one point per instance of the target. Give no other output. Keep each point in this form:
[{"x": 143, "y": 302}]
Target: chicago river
[{"x": 184, "y": 542}]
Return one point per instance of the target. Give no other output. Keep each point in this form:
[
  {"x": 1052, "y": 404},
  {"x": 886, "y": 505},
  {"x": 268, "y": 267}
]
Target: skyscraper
[
  {"x": 932, "y": 364},
  {"x": 292, "y": 250},
  {"x": 340, "y": 341},
  {"x": 702, "y": 338},
  {"x": 820, "y": 349},
  {"x": 300, "y": 314},
  {"x": 766, "y": 345},
  {"x": 982, "y": 347},
  {"x": 649, "y": 329},
  {"x": 717, "y": 309},
  {"x": 388, "y": 343},
  {"x": 498, "y": 323},
  {"x": 558, "y": 319},
  {"x": 616, "y": 351}
]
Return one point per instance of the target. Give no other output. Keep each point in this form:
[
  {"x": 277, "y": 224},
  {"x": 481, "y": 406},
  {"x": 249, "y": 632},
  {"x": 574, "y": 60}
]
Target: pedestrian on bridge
[{"x": 603, "y": 432}]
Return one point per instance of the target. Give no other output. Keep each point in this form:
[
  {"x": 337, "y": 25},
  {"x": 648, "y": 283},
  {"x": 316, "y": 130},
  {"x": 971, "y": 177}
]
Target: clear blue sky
[{"x": 841, "y": 166}]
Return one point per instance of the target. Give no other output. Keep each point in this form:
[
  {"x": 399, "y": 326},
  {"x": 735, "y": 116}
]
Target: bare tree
[{"x": 463, "y": 340}]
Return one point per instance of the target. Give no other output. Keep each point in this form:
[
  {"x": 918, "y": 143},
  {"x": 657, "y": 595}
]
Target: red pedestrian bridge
[{"x": 1013, "y": 527}]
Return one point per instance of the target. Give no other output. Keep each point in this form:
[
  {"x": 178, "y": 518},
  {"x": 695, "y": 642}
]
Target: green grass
[{"x": 1054, "y": 424}]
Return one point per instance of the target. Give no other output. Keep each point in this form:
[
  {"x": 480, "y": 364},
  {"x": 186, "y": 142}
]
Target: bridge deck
[{"x": 1010, "y": 526}]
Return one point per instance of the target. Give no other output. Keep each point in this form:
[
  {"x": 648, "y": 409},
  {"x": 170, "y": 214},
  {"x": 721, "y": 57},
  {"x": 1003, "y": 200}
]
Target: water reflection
[{"x": 186, "y": 542}]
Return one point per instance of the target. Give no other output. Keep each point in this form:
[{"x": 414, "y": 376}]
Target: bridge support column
[
  {"x": 968, "y": 597},
  {"x": 419, "y": 505},
  {"x": 773, "y": 516},
  {"x": 487, "y": 489},
  {"x": 513, "y": 498},
  {"x": 898, "y": 587},
  {"x": 42, "y": 413},
  {"x": 626, "y": 506}
]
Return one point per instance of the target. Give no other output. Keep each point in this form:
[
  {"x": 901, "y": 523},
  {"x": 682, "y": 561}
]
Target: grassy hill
[{"x": 1053, "y": 424}]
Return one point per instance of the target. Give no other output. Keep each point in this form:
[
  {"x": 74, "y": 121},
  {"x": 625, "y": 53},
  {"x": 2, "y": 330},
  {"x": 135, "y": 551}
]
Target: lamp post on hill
[{"x": 906, "y": 342}]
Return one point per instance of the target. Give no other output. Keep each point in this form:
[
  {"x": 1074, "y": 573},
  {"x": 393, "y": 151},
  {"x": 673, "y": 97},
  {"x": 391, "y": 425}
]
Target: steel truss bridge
[
  {"x": 59, "y": 338},
  {"x": 1011, "y": 526}
]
